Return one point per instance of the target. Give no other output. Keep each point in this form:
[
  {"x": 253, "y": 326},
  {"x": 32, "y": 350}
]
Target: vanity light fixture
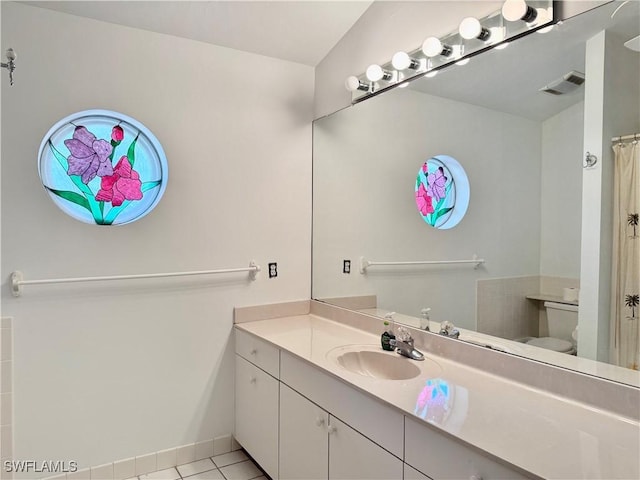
[
  {"x": 353, "y": 84},
  {"x": 432, "y": 47},
  {"x": 514, "y": 19},
  {"x": 402, "y": 61},
  {"x": 375, "y": 73},
  {"x": 471, "y": 28},
  {"x": 514, "y": 10},
  {"x": 10, "y": 65}
]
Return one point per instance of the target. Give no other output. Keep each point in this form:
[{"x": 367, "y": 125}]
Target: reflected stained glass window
[
  {"x": 102, "y": 167},
  {"x": 434, "y": 402},
  {"x": 442, "y": 192}
]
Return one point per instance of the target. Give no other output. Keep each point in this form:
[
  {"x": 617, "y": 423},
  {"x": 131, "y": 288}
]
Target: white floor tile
[
  {"x": 210, "y": 475},
  {"x": 229, "y": 458},
  {"x": 241, "y": 471},
  {"x": 196, "y": 467},
  {"x": 166, "y": 474}
]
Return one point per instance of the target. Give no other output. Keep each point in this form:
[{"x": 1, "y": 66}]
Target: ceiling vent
[{"x": 566, "y": 84}]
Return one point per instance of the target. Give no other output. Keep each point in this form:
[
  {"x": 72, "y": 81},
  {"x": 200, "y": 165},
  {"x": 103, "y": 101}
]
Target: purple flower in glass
[
  {"x": 436, "y": 182},
  {"x": 89, "y": 157}
]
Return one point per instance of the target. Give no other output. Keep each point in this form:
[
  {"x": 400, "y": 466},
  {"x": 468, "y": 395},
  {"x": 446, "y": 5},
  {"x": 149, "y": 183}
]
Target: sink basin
[{"x": 372, "y": 361}]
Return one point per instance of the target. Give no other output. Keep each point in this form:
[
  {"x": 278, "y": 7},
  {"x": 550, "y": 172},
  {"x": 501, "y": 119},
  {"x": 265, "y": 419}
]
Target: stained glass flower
[
  {"x": 123, "y": 185},
  {"x": 437, "y": 181},
  {"x": 117, "y": 134},
  {"x": 424, "y": 201},
  {"x": 89, "y": 157}
]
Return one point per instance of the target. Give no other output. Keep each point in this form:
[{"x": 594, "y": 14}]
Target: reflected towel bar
[
  {"x": 364, "y": 264},
  {"x": 17, "y": 281}
]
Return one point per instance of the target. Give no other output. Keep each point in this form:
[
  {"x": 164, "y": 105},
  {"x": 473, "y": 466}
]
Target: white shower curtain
[{"x": 625, "y": 298}]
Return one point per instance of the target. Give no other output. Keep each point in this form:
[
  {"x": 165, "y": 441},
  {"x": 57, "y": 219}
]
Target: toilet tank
[{"x": 562, "y": 320}]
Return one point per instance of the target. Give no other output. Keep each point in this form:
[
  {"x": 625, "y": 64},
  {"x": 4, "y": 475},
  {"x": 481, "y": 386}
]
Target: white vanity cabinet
[
  {"x": 298, "y": 421},
  {"x": 316, "y": 445},
  {"x": 257, "y": 400}
]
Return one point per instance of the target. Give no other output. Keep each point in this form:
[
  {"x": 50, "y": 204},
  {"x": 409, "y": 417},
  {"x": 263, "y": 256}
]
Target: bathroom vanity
[{"x": 318, "y": 398}]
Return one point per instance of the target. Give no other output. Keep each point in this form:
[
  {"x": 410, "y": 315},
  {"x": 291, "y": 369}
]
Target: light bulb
[
  {"x": 432, "y": 47},
  {"x": 353, "y": 84},
  {"x": 514, "y": 10},
  {"x": 374, "y": 72},
  {"x": 11, "y": 54},
  {"x": 401, "y": 61},
  {"x": 470, "y": 28}
]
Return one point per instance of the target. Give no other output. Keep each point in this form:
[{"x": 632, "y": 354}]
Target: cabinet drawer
[
  {"x": 258, "y": 352},
  {"x": 442, "y": 458},
  {"x": 382, "y": 424}
]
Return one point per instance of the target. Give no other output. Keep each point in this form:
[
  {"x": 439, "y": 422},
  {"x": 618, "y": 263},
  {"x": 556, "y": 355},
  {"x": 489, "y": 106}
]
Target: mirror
[{"x": 522, "y": 152}]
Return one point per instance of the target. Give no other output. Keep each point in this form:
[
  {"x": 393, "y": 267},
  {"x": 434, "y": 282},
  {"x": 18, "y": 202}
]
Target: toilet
[{"x": 562, "y": 319}]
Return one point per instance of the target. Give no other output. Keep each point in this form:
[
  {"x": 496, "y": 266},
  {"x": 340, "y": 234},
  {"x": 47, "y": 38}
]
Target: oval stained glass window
[
  {"x": 442, "y": 192},
  {"x": 102, "y": 167}
]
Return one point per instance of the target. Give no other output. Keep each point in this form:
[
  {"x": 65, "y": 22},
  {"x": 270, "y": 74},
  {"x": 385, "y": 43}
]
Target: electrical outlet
[
  {"x": 346, "y": 266},
  {"x": 273, "y": 270}
]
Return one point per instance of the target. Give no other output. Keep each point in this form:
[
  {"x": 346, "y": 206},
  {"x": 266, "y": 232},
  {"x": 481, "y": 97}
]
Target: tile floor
[{"x": 229, "y": 466}]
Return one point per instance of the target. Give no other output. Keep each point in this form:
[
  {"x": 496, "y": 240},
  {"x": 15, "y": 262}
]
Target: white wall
[
  {"x": 366, "y": 159},
  {"x": 108, "y": 371},
  {"x": 561, "y": 193}
]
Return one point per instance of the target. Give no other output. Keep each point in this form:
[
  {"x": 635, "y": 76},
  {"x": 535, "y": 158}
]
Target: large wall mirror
[{"x": 522, "y": 151}]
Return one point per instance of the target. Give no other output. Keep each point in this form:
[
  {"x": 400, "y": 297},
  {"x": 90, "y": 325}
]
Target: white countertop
[{"x": 546, "y": 435}]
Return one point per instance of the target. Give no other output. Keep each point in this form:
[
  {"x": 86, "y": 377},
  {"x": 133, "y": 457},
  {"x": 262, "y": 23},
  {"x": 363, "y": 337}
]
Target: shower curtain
[{"x": 625, "y": 298}]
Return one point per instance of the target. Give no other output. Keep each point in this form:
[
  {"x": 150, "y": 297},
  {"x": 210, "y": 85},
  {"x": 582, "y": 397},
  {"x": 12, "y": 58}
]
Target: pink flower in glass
[
  {"x": 425, "y": 167},
  {"x": 89, "y": 157},
  {"x": 436, "y": 182},
  {"x": 123, "y": 185},
  {"x": 117, "y": 134},
  {"x": 424, "y": 201}
]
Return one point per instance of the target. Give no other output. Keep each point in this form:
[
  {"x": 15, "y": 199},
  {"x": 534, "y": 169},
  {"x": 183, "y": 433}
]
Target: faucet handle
[
  {"x": 447, "y": 329},
  {"x": 404, "y": 335}
]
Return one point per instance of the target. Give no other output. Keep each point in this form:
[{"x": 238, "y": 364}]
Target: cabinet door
[
  {"x": 256, "y": 417},
  {"x": 304, "y": 444},
  {"x": 353, "y": 456}
]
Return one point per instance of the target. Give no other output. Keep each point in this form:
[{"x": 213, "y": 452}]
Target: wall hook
[
  {"x": 589, "y": 160},
  {"x": 10, "y": 65}
]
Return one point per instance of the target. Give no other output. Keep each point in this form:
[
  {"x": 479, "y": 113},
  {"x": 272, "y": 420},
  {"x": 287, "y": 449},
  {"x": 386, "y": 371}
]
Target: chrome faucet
[
  {"x": 448, "y": 330},
  {"x": 403, "y": 344}
]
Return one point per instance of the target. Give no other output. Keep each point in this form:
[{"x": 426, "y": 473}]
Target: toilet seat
[{"x": 550, "y": 343}]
